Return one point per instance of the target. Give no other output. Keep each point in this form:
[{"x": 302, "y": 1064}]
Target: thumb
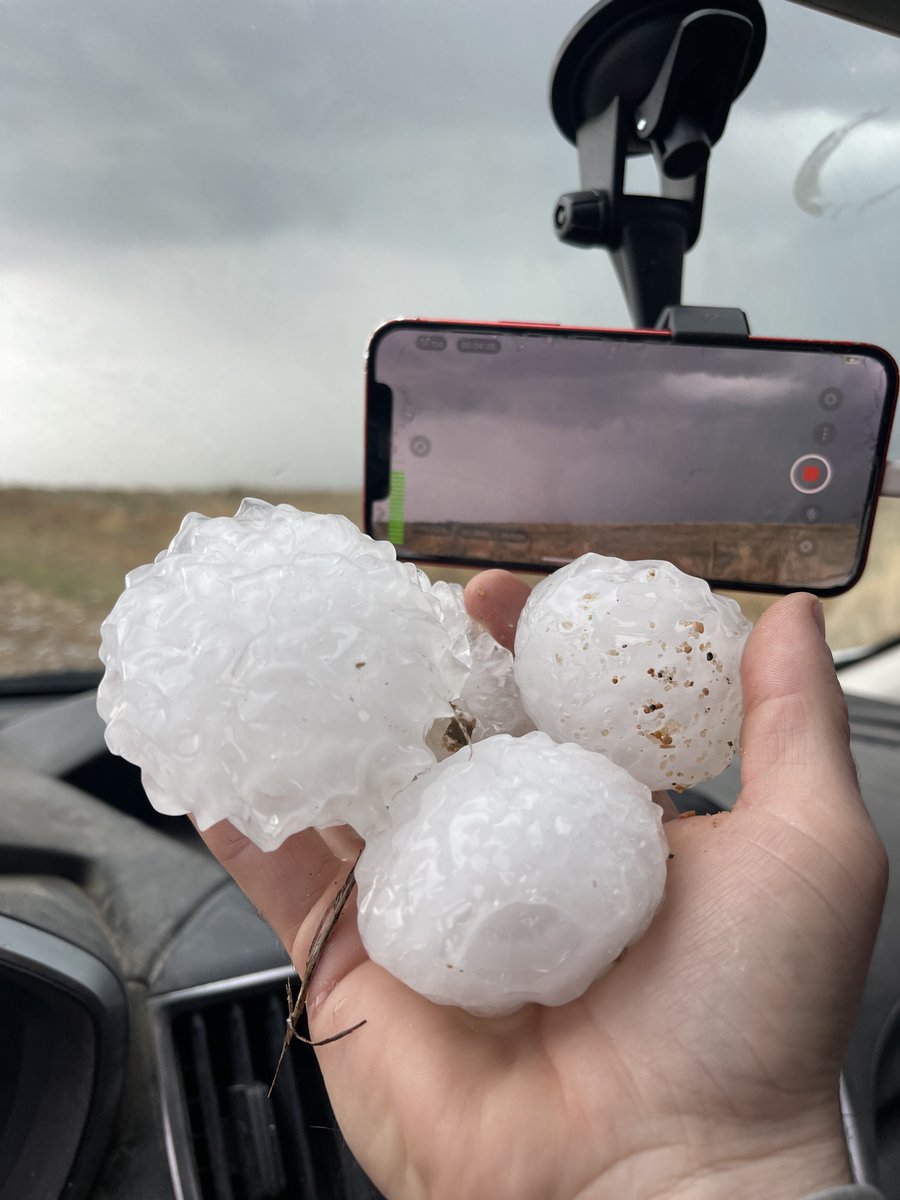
[
  {"x": 795, "y": 738},
  {"x": 799, "y": 777},
  {"x": 496, "y": 598}
]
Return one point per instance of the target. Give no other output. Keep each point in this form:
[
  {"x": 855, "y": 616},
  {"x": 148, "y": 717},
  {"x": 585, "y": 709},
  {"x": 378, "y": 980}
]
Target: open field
[{"x": 64, "y": 554}]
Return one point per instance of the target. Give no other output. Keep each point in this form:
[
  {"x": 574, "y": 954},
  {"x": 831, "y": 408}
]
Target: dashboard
[{"x": 143, "y": 1000}]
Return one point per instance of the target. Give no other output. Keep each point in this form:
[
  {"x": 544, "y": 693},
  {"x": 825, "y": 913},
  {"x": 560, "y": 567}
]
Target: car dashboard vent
[{"x": 230, "y": 1139}]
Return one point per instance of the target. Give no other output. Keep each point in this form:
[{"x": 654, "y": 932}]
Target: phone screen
[{"x": 753, "y": 464}]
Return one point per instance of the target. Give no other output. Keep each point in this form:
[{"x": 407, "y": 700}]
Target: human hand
[{"x": 705, "y": 1063}]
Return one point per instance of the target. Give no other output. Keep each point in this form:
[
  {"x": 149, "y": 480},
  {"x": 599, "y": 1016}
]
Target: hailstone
[
  {"x": 279, "y": 669},
  {"x": 490, "y": 695},
  {"x": 515, "y": 871},
  {"x": 638, "y": 661}
]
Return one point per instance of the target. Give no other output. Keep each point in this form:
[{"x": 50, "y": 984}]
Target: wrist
[{"x": 714, "y": 1162}]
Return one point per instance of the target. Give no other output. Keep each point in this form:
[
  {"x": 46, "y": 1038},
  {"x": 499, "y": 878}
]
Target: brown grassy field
[{"x": 64, "y": 554}]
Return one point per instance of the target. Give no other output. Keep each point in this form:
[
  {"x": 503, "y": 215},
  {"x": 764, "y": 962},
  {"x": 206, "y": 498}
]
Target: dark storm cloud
[
  {"x": 175, "y": 120},
  {"x": 185, "y": 121}
]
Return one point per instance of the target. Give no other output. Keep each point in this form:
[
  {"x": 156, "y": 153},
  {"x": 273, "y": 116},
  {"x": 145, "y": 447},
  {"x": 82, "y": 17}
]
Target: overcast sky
[{"x": 205, "y": 209}]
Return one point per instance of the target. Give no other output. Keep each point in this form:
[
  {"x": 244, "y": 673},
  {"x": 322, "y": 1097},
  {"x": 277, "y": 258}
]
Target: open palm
[{"x": 705, "y": 1063}]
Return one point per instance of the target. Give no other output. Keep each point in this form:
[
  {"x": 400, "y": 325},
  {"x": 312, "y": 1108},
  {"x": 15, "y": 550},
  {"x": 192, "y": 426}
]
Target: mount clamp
[{"x": 638, "y": 77}]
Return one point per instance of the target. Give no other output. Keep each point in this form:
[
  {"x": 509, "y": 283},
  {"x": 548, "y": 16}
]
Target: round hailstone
[
  {"x": 513, "y": 872},
  {"x": 636, "y": 660},
  {"x": 277, "y": 668},
  {"x": 490, "y": 695}
]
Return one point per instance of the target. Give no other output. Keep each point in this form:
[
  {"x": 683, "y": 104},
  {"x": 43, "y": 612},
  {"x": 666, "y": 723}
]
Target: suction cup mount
[{"x": 636, "y": 77}]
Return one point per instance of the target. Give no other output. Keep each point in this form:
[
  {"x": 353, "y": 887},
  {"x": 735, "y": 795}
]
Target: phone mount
[{"x": 636, "y": 77}]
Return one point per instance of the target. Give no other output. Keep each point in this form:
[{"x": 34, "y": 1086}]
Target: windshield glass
[{"x": 207, "y": 209}]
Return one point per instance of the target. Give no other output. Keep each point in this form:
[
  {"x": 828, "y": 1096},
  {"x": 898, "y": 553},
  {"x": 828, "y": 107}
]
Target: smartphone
[{"x": 754, "y": 464}]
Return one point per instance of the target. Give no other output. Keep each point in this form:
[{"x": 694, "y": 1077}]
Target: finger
[
  {"x": 795, "y": 738},
  {"x": 284, "y": 885},
  {"x": 496, "y": 598},
  {"x": 342, "y": 951},
  {"x": 343, "y": 842}
]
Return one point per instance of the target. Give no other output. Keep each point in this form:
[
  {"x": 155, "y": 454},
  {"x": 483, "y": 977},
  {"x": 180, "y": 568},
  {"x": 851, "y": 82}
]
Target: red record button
[{"x": 811, "y": 474}]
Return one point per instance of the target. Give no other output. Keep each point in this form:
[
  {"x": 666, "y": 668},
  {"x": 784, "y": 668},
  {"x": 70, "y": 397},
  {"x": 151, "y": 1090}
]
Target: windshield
[{"x": 207, "y": 209}]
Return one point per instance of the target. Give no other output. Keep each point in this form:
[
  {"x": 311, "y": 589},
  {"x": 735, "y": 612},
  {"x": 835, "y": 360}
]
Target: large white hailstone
[
  {"x": 490, "y": 694},
  {"x": 636, "y": 660},
  {"x": 277, "y": 668},
  {"x": 515, "y": 871}
]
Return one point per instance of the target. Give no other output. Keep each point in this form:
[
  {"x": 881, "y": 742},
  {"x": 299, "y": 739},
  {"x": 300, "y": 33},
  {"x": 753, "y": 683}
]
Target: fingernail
[{"x": 818, "y": 613}]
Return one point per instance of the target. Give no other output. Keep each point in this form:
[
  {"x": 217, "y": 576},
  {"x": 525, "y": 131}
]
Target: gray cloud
[
  {"x": 205, "y": 208},
  {"x": 186, "y": 121}
]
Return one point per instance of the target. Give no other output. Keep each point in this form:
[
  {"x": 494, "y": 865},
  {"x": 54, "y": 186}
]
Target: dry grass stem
[{"x": 297, "y": 1005}]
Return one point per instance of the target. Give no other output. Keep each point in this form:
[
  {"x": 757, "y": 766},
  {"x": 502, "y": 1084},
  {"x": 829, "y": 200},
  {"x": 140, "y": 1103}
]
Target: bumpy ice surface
[
  {"x": 490, "y": 693},
  {"x": 277, "y": 668},
  {"x": 638, "y": 661},
  {"x": 516, "y": 871}
]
